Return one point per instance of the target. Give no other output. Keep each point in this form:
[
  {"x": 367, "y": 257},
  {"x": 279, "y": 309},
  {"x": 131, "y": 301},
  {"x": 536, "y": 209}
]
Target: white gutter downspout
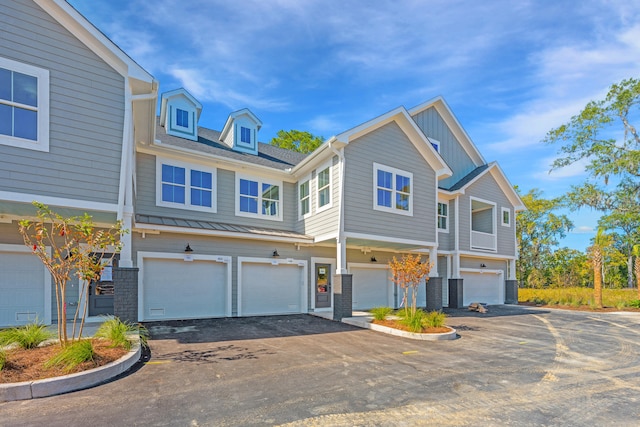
[
  {"x": 456, "y": 237},
  {"x": 341, "y": 241}
]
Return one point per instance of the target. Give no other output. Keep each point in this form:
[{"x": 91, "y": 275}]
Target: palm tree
[
  {"x": 636, "y": 266},
  {"x": 599, "y": 242}
]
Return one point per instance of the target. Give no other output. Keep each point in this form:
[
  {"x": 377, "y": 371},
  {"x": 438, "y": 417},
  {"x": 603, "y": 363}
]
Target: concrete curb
[
  {"x": 365, "y": 322},
  {"x": 67, "y": 383}
]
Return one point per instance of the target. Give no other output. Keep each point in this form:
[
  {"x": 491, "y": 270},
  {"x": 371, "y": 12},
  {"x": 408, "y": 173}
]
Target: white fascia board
[
  {"x": 94, "y": 39},
  {"x": 454, "y": 125},
  {"x": 486, "y": 255},
  {"x": 198, "y": 157},
  {"x": 142, "y": 228},
  {"x": 58, "y": 201},
  {"x": 374, "y": 237}
]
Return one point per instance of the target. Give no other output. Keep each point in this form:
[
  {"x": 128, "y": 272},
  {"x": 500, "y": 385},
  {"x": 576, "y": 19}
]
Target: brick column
[
  {"x": 125, "y": 294},
  {"x": 342, "y": 296},
  {"x": 434, "y": 294},
  {"x": 511, "y": 292},
  {"x": 455, "y": 293}
]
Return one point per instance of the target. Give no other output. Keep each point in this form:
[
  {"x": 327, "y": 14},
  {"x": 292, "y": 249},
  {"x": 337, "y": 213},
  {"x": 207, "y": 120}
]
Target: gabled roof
[
  {"x": 178, "y": 92},
  {"x": 235, "y": 115},
  {"x": 496, "y": 172},
  {"x": 454, "y": 125}
]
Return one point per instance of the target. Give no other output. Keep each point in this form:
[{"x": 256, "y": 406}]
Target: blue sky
[{"x": 509, "y": 70}]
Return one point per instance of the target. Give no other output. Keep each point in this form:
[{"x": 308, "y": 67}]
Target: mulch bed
[
  {"x": 28, "y": 365},
  {"x": 395, "y": 324}
]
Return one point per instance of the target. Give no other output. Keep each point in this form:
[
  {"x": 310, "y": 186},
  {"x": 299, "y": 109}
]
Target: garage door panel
[
  {"x": 21, "y": 288},
  {"x": 174, "y": 289},
  {"x": 482, "y": 287},
  {"x": 271, "y": 289},
  {"x": 371, "y": 288}
]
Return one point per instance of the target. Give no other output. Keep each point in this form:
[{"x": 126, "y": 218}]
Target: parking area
[{"x": 513, "y": 365}]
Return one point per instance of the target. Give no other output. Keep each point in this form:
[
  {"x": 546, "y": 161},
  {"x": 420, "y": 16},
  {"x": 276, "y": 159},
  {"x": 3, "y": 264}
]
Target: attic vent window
[
  {"x": 245, "y": 135},
  {"x": 182, "y": 118}
]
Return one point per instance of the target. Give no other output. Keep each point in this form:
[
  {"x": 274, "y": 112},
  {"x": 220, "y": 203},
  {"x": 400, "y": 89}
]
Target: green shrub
[
  {"x": 72, "y": 355},
  {"x": 435, "y": 319},
  {"x": 117, "y": 331},
  {"x": 27, "y": 336},
  {"x": 380, "y": 313},
  {"x": 634, "y": 303},
  {"x": 3, "y": 359},
  {"x": 414, "y": 322}
]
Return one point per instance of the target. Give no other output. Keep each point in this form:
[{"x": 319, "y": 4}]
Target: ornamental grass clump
[
  {"x": 414, "y": 321},
  {"x": 3, "y": 359},
  {"x": 119, "y": 332},
  {"x": 72, "y": 355},
  {"x": 435, "y": 319},
  {"x": 381, "y": 313},
  {"x": 28, "y": 336}
]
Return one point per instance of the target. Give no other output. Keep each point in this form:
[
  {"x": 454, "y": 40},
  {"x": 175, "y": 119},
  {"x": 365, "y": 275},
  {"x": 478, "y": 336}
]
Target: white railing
[{"x": 480, "y": 240}]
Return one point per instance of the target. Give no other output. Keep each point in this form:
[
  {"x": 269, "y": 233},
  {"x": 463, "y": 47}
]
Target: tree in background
[
  {"x": 296, "y": 140},
  {"x": 596, "y": 256},
  {"x": 636, "y": 266},
  {"x": 568, "y": 268},
  {"x": 66, "y": 247},
  {"x": 538, "y": 230}
]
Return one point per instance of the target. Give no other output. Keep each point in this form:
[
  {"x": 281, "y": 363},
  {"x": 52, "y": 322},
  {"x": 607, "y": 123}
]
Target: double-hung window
[
  {"x": 323, "y": 188},
  {"x": 24, "y": 105},
  {"x": 393, "y": 190},
  {"x": 304, "y": 198},
  {"x": 181, "y": 185},
  {"x": 182, "y": 118},
  {"x": 506, "y": 217},
  {"x": 245, "y": 135},
  {"x": 443, "y": 216},
  {"x": 257, "y": 197}
]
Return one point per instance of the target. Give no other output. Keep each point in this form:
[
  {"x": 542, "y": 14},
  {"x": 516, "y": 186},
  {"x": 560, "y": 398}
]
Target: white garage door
[
  {"x": 372, "y": 287},
  {"x": 482, "y": 287},
  {"x": 266, "y": 288},
  {"x": 175, "y": 289},
  {"x": 22, "y": 289}
]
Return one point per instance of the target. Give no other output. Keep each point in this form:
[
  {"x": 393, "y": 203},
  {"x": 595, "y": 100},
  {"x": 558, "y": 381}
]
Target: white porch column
[
  {"x": 455, "y": 266},
  {"x": 512, "y": 269},
  {"x": 126, "y": 253},
  {"x": 341, "y": 255},
  {"x": 433, "y": 259}
]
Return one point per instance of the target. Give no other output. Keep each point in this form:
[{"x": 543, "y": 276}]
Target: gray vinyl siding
[
  {"x": 203, "y": 245},
  {"x": 327, "y": 221},
  {"x": 86, "y": 111},
  {"x": 446, "y": 240},
  {"x": 224, "y": 193},
  {"x": 491, "y": 264},
  {"x": 451, "y": 151},
  {"x": 488, "y": 189},
  {"x": 388, "y": 146}
]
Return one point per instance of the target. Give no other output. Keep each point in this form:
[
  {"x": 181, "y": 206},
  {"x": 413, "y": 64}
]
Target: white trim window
[
  {"x": 304, "y": 198},
  {"x": 245, "y": 135},
  {"x": 505, "y": 217},
  {"x": 258, "y": 198},
  {"x": 323, "y": 188},
  {"x": 182, "y": 118},
  {"x": 24, "y": 105},
  {"x": 443, "y": 216},
  {"x": 393, "y": 190},
  {"x": 186, "y": 186}
]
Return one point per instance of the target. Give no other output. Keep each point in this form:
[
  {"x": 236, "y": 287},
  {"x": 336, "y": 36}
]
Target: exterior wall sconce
[
  {"x": 483, "y": 265},
  {"x": 275, "y": 253},
  {"x": 373, "y": 259},
  {"x": 188, "y": 249}
]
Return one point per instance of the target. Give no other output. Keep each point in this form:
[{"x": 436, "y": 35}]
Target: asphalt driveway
[{"x": 512, "y": 366}]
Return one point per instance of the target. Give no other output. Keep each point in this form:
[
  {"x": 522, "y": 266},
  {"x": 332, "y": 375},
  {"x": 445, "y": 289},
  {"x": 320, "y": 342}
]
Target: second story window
[
  {"x": 323, "y": 188},
  {"x": 258, "y": 198},
  {"x": 182, "y": 118},
  {"x": 186, "y": 186},
  {"x": 393, "y": 190},
  {"x": 443, "y": 216},
  {"x": 506, "y": 217},
  {"x": 245, "y": 135},
  {"x": 305, "y": 199}
]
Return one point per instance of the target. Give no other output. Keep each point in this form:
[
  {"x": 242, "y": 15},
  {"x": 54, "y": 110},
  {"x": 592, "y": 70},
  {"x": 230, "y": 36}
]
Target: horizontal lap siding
[
  {"x": 446, "y": 240},
  {"x": 451, "y": 151},
  {"x": 327, "y": 221},
  {"x": 488, "y": 189},
  {"x": 86, "y": 111},
  {"x": 388, "y": 146},
  {"x": 225, "y": 196}
]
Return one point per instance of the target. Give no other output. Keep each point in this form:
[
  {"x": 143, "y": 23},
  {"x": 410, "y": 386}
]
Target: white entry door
[
  {"x": 268, "y": 288},
  {"x": 486, "y": 287},
  {"x": 175, "y": 289},
  {"x": 24, "y": 296},
  {"x": 372, "y": 287}
]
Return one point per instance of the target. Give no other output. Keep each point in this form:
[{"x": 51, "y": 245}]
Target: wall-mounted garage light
[
  {"x": 373, "y": 259},
  {"x": 275, "y": 253},
  {"x": 188, "y": 249},
  {"x": 483, "y": 265}
]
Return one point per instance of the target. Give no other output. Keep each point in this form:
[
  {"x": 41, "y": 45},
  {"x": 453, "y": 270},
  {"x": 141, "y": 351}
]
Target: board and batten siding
[
  {"x": 388, "y": 146},
  {"x": 224, "y": 194},
  {"x": 327, "y": 221},
  {"x": 205, "y": 245},
  {"x": 86, "y": 111},
  {"x": 451, "y": 151},
  {"x": 487, "y": 188}
]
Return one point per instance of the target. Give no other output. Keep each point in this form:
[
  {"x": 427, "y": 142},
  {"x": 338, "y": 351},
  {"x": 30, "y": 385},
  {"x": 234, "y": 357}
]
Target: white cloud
[
  {"x": 573, "y": 170},
  {"x": 582, "y": 229}
]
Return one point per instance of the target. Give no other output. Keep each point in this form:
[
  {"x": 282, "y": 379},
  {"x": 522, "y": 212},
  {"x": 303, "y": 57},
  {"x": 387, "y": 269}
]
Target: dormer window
[
  {"x": 179, "y": 114},
  {"x": 182, "y": 118},
  {"x": 240, "y": 132},
  {"x": 245, "y": 135}
]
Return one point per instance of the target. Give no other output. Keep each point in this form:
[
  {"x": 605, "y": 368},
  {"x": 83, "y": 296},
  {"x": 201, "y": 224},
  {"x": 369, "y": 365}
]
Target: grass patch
[
  {"x": 3, "y": 359},
  {"x": 28, "y": 336},
  {"x": 380, "y": 313},
  {"x": 119, "y": 332},
  {"x": 578, "y": 297},
  {"x": 435, "y": 319},
  {"x": 71, "y": 356}
]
